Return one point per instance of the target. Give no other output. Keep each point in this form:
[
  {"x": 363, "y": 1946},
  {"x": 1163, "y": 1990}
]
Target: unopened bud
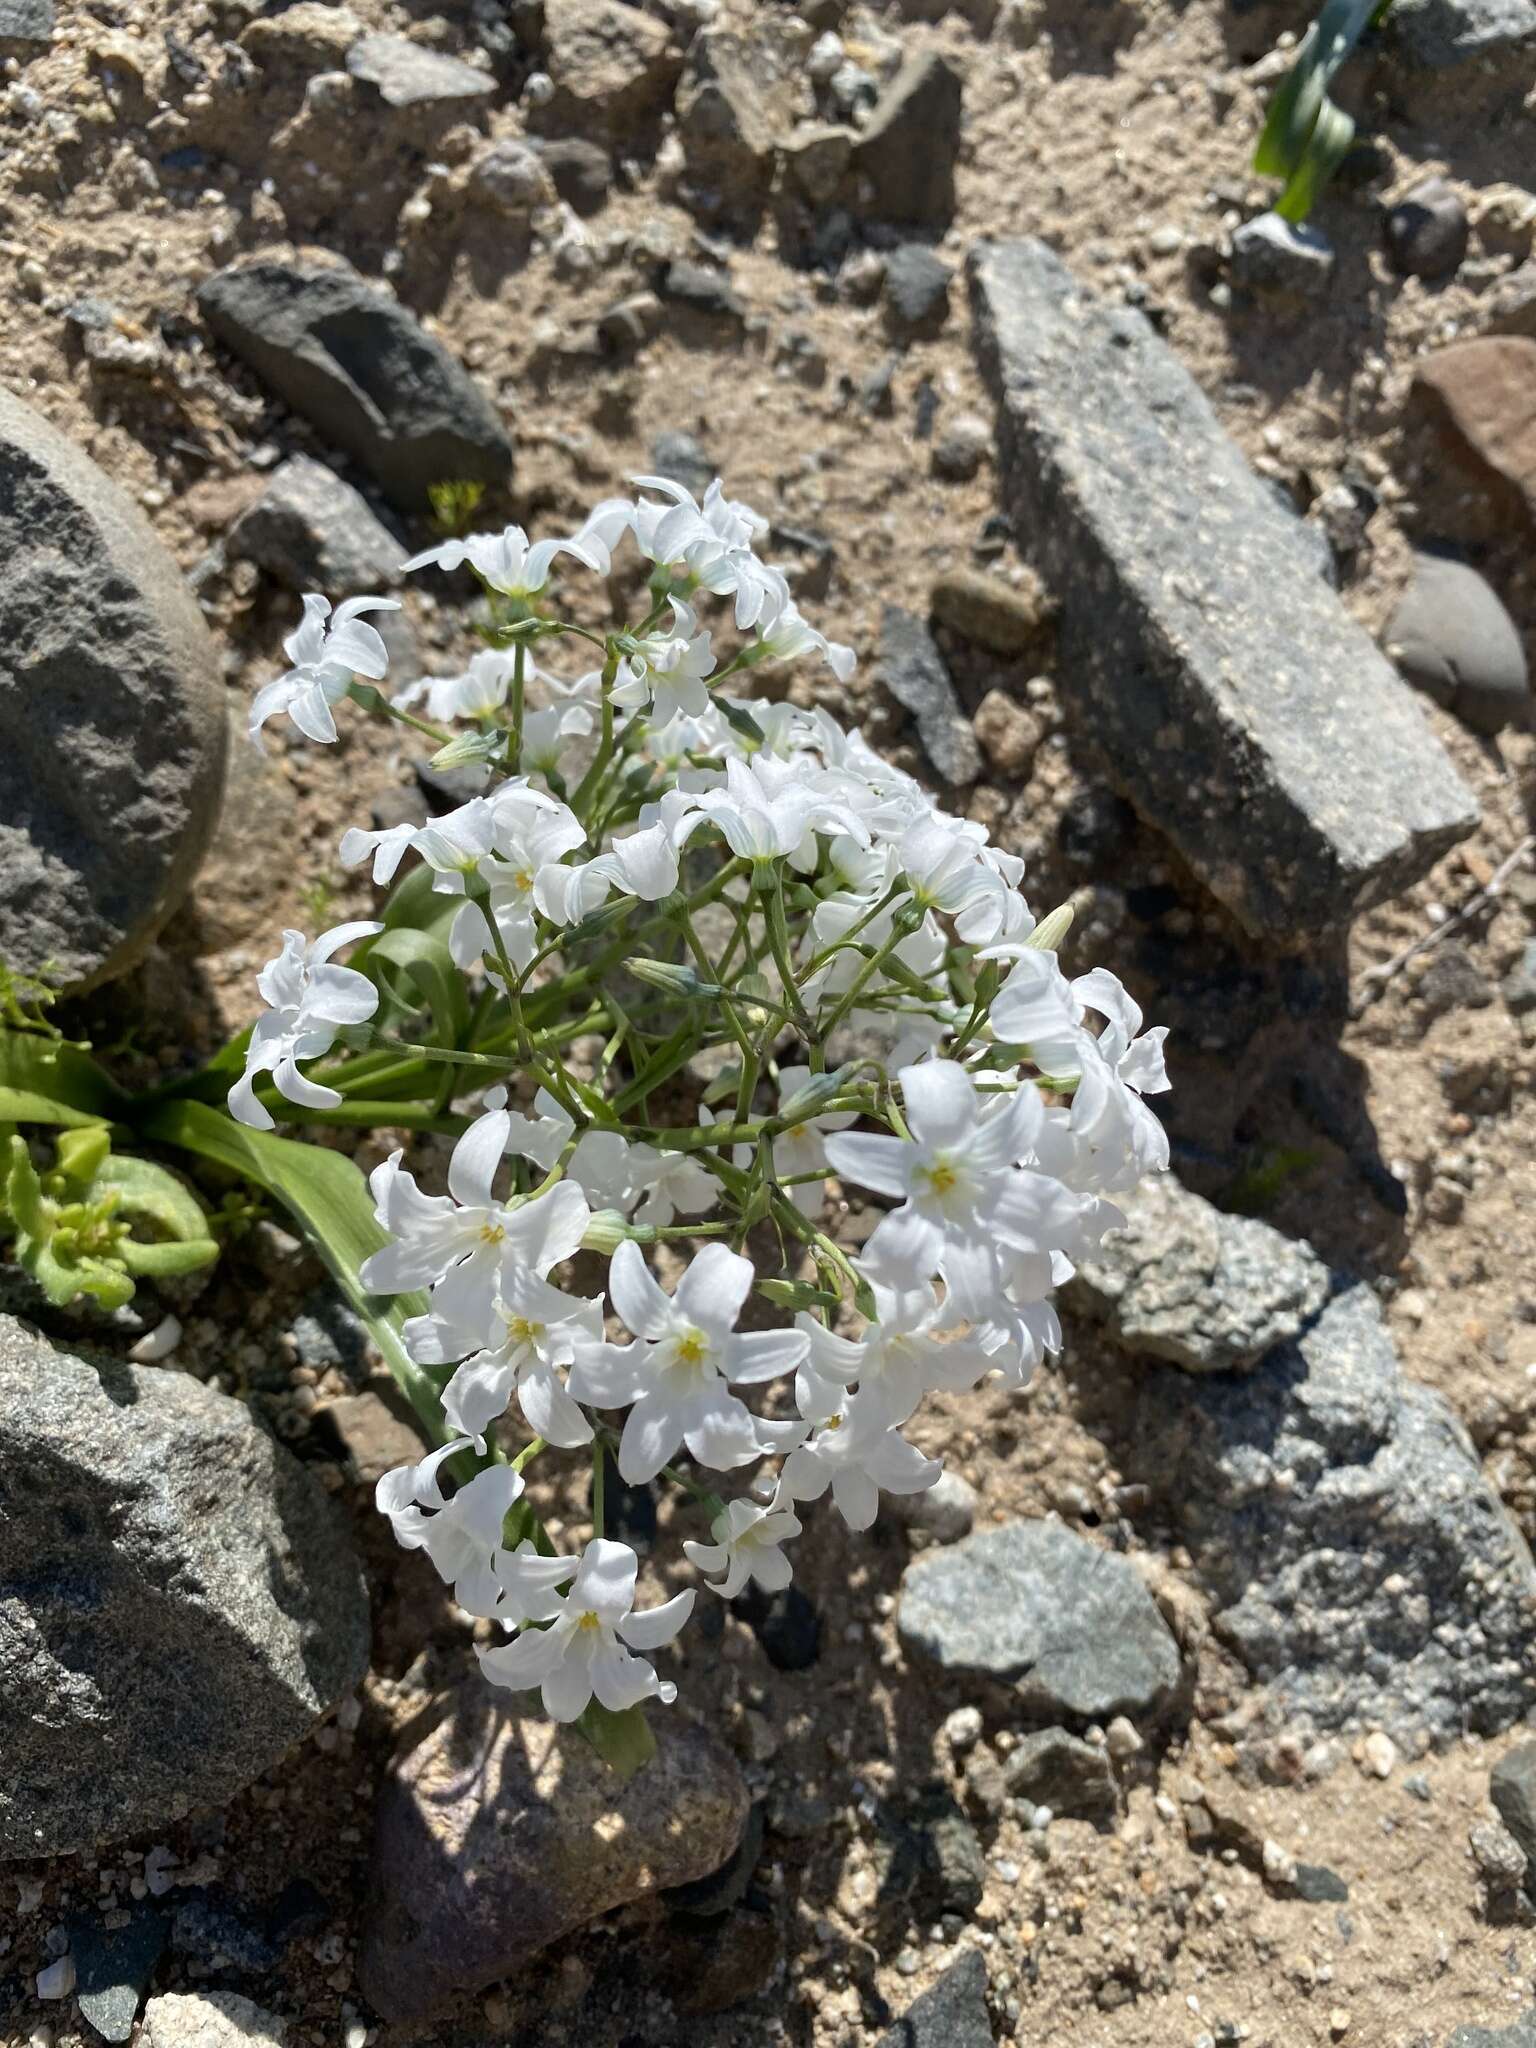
[
  {"x": 1050, "y": 931},
  {"x": 668, "y": 975},
  {"x": 606, "y": 1230}
]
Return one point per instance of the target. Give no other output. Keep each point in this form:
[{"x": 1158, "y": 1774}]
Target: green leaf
[
  {"x": 44, "y": 1081},
  {"x": 1306, "y": 136},
  {"x": 329, "y": 1199},
  {"x": 172, "y": 1255},
  {"x": 422, "y": 962},
  {"x": 152, "y": 1191},
  {"x": 623, "y": 1741}
]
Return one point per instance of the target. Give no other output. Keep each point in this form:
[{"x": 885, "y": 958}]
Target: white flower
[
  {"x": 583, "y": 1649},
  {"x": 325, "y": 659},
  {"x": 311, "y": 1001},
  {"x": 666, "y": 670},
  {"x": 858, "y": 1456},
  {"x": 462, "y": 1535},
  {"x": 506, "y": 562},
  {"x": 710, "y": 544},
  {"x": 787, "y": 635},
  {"x": 746, "y": 1546},
  {"x": 899, "y": 1357},
  {"x": 546, "y": 733},
  {"x": 678, "y": 1371},
  {"x": 460, "y": 1242},
  {"x": 476, "y": 693},
  {"x": 535, "y": 1332},
  {"x": 966, "y": 1203},
  {"x": 529, "y": 833},
  {"x": 769, "y": 810}
]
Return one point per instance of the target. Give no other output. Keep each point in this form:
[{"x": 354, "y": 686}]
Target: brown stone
[
  {"x": 613, "y": 69},
  {"x": 1480, "y": 399},
  {"x": 1003, "y": 616},
  {"x": 497, "y": 1833}
]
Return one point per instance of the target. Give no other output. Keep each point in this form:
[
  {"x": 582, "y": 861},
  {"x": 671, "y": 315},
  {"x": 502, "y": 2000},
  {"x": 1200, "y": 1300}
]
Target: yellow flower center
[
  {"x": 692, "y": 1348},
  {"x": 942, "y": 1178},
  {"x": 491, "y": 1233},
  {"x": 589, "y": 1620},
  {"x": 523, "y": 880},
  {"x": 524, "y": 1331}
]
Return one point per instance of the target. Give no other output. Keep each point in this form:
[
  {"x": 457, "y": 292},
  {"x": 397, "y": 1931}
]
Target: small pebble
[
  {"x": 962, "y": 1729},
  {"x": 1379, "y": 1754},
  {"x": 57, "y": 1980}
]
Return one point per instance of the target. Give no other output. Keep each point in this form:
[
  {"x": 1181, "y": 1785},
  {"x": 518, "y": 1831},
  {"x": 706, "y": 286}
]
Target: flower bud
[
  {"x": 670, "y": 976},
  {"x": 606, "y": 1230},
  {"x": 1050, "y": 931}
]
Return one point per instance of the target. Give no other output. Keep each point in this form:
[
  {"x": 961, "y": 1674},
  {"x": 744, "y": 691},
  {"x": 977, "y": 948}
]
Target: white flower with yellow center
[{"x": 679, "y": 1370}]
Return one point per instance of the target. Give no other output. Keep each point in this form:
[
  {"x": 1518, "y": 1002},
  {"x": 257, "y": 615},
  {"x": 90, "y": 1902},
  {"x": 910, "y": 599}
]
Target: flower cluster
[{"x": 723, "y": 952}]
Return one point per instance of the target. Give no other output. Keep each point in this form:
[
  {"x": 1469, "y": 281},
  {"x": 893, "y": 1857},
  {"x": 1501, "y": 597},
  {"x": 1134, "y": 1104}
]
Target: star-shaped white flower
[
  {"x": 326, "y": 657},
  {"x": 312, "y": 1000},
  {"x": 747, "y": 1545},
  {"x": 679, "y": 1370},
  {"x": 584, "y": 1649}
]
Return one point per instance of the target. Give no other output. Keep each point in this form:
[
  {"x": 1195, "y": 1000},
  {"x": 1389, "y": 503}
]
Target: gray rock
[
  {"x": 613, "y": 69},
  {"x": 683, "y": 460},
  {"x": 1317, "y": 1885},
  {"x": 916, "y": 292},
  {"x": 178, "y": 1601},
  {"x": 1451, "y": 636},
  {"x": 313, "y": 532},
  {"x": 496, "y": 1835},
  {"x": 816, "y": 156},
  {"x": 113, "y": 1966},
  {"x": 1519, "y": 984},
  {"x": 951, "y": 2015},
  {"x": 1360, "y": 1565},
  {"x": 954, "y": 1870},
  {"x": 1510, "y": 308},
  {"x": 907, "y": 150},
  {"x": 1185, "y": 1282},
  {"x": 1501, "y": 1862},
  {"x": 1072, "y": 1777},
  {"x": 1458, "y": 55},
  {"x": 364, "y": 371},
  {"x": 112, "y": 732},
  {"x": 1451, "y": 981},
  {"x": 511, "y": 178},
  {"x": 407, "y": 75},
  {"x": 1287, "y": 266},
  {"x": 580, "y": 171},
  {"x": 913, "y": 670},
  {"x": 1521, "y": 2035},
  {"x": 946, "y": 1511},
  {"x": 26, "y": 21},
  {"x": 210, "y": 2019},
  {"x": 736, "y": 92},
  {"x": 702, "y": 290},
  {"x": 1070, "y": 1626},
  {"x": 1426, "y": 230},
  {"x": 1173, "y": 564},
  {"x": 1512, "y": 1788}
]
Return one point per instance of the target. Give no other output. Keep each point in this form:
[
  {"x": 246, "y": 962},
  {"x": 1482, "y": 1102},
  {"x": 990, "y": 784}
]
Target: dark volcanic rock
[
  {"x": 907, "y": 149},
  {"x": 1302, "y": 786},
  {"x": 364, "y": 371},
  {"x": 312, "y": 531},
  {"x": 112, "y": 726},
  {"x": 952, "y": 2015},
  {"x": 178, "y": 1599}
]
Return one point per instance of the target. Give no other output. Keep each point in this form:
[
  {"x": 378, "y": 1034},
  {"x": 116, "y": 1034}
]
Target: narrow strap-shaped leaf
[
  {"x": 43, "y": 1081},
  {"x": 329, "y": 1199}
]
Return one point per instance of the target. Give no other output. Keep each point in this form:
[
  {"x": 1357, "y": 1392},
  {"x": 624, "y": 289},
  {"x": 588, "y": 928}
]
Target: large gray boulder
[
  {"x": 1185, "y": 1282},
  {"x": 112, "y": 729},
  {"x": 179, "y": 1602},
  {"x": 1072, "y": 1628},
  {"x": 1360, "y": 1564},
  {"x": 497, "y": 1833},
  {"x": 1243, "y": 711},
  {"x": 364, "y": 371}
]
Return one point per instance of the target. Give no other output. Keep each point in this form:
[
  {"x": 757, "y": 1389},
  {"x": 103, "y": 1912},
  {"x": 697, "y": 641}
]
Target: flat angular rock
[
  {"x": 1239, "y": 705},
  {"x": 113, "y": 1966},
  {"x": 364, "y": 371},
  {"x": 407, "y": 75},
  {"x": 179, "y": 1603},
  {"x": 1360, "y": 1564},
  {"x": 26, "y": 21},
  {"x": 1512, "y": 1788},
  {"x": 112, "y": 735},
  {"x": 1204, "y": 1290},
  {"x": 913, "y": 670},
  {"x": 951, "y": 2015},
  {"x": 1521, "y": 2035},
  {"x": 312, "y": 531},
  {"x": 906, "y": 151},
  {"x": 1061, "y": 1771},
  {"x": 496, "y": 1834},
  {"x": 1070, "y": 1626},
  {"x": 1458, "y": 55}
]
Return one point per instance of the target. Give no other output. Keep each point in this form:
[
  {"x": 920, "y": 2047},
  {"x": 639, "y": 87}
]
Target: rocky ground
[{"x": 1267, "y": 1777}]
